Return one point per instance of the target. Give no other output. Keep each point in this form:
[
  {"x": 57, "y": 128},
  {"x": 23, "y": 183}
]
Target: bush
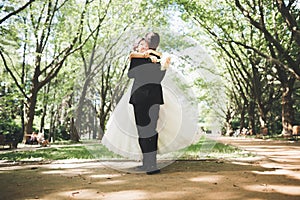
[{"x": 11, "y": 130}]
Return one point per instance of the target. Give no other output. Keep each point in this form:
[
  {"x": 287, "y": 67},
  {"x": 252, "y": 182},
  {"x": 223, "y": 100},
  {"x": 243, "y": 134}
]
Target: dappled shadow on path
[
  {"x": 281, "y": 156},
  {"x": 206, "y": 179}
]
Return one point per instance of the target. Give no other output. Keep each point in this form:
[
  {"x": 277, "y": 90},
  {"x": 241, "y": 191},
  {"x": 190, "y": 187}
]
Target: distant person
[
  {"x": 33, "y": 138},
  {"x": 41, "y": 139}
]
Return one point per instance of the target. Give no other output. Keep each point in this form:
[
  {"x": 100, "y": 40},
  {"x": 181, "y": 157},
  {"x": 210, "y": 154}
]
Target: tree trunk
[
  {"x": 30, "y": 111},
  {"x": 80, "y": 112},
  {"x": 243, "y": 112},
  {"x": 23, "y": 115},
  {"x": 287, "y": 107},
  {"x": 45, "y": 100},
  {"x": 73, "y": 131},
  {"x": 251, "y": 114},
  {"x": 42, "y": 125},
  {"x": 51, "y": 130},
  {"x": 228, "y": 123}
]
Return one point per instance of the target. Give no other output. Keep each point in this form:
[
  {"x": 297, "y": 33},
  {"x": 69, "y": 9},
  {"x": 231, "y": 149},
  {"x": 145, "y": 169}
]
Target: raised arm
[
  {"x": 138, "y": 55},
  {"x": 146, "y": 54},
  {"x": 156, "y": 53}
]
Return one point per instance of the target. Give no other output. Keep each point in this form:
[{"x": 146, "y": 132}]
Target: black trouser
[{"x": 146, "y": 117}]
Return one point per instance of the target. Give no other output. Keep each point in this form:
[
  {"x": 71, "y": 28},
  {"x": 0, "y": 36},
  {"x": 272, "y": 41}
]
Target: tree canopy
[{"x": 64, "y": 62}]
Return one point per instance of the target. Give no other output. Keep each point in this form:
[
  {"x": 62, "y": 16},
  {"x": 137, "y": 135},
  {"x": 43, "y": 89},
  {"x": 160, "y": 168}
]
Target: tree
[
  {"x": 45, "y": 19},
  {"x": 227, "y": 23},
  {"x": 283, "y": 47},
  {"x": 104, "y": 63},
  {"x": 40, "y": 47},
  {"x": 285, "y": 42},
  {"x": 15, "y": 12}
]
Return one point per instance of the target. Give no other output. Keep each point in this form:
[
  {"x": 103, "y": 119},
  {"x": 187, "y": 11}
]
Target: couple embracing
[
  {"x": 146, "y": 120},
  {"x": 146, "y": 97}
]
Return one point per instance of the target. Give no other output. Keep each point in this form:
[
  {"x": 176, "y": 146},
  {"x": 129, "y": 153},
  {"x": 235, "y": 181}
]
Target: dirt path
[{"x": 273, "y": 174}]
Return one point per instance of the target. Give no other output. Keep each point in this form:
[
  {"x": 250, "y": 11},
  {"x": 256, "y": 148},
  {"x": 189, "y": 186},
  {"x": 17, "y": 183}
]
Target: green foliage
[
  {"x": 9, "y": 111},
  {"x": 297, "y": 103},
  {"x": 61, "y": 133},
  {"x": 11, "y": 130},
  {"x": 217, "y": 25},
  {"x": 234, "y": 34}
]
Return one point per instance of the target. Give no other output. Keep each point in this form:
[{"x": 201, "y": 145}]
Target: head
[
  {"x": 141, "y": 45},
  {"x": 153, "y": 40}
]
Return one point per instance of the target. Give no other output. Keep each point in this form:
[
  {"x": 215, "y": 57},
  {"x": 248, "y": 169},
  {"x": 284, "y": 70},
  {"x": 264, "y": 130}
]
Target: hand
[
  {"x": 153, "y": 59},
  {"x": 168, "y": 61},
  {"x": 165, "y": 63},
  {"x": 146, "y": 54}
]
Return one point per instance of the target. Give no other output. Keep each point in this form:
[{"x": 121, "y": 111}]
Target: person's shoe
[{"x": 152, "y": 171}]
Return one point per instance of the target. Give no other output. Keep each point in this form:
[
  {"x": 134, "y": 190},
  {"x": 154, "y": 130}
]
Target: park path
[
  {"x": 281, "y": 152},
  {"x": 274, "y": 173},
  {"x": 281, "y": 156}
]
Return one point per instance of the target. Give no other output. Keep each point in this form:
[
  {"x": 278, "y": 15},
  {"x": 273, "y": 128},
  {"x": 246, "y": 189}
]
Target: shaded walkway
[
  {"x": 283, "y": 157},
  {"x": 273, "y": 174},
  {"x": 275, "y": 154}
]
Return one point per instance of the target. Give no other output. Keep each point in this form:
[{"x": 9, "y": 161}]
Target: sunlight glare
[
  {"x": 209, "y": 179},
  {"x": 283, "y": 189},
  {"x": 127, "y": 195},
  {"x": 105, "y": 175}
]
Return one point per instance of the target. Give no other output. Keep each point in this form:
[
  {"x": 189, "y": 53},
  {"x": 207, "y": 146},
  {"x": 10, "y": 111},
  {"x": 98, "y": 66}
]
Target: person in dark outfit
[
  {"x": 156, "y": 115},
  {"x": 146, "y": 98}
]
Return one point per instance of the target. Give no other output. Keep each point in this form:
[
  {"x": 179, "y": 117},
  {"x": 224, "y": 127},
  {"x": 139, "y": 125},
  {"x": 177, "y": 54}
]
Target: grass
[
  {"x": 59, "y": 153},
  {"x": 207, "y": 148},
  {"x": 203, "y": 149}
]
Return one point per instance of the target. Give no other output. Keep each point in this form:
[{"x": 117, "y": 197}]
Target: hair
[
  {"x": 153, "y": 40},
  {"x": 137, "y": 42}
]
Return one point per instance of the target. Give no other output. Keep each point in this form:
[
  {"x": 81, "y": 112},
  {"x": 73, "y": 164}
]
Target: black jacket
[{"x": 146, "y": 87}]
